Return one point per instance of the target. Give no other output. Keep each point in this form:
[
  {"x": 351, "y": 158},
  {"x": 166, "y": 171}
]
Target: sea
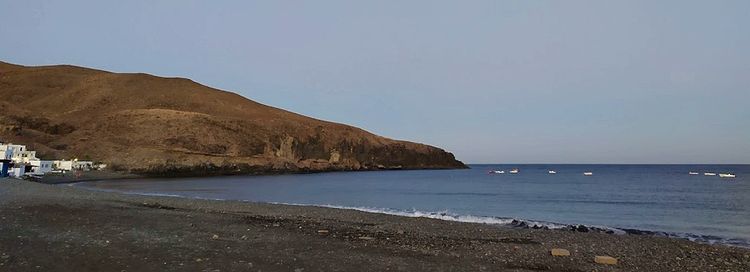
[{"x": 662, "y": 200}]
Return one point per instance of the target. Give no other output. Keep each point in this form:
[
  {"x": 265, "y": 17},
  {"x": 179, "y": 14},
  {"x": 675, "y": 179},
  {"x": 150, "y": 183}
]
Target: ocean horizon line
[{"x": 636, "y": 164}]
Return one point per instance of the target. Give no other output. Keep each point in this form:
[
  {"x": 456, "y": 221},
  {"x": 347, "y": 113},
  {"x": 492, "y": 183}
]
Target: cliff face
[{"x": 153, "y": 125}]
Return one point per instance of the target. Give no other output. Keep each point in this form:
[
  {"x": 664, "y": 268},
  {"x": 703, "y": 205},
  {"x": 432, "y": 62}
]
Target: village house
[
  {"x": 40, "y": 167},
  {"x": 18, "y": 153},
  {"x": 23, "y": 160},
  {"x": 70, "y": 165},
  {"x": 83, "y": 165},
  {"x": 18, "y": 170},
  {"x": 6, "y": 153},
  {"x": 62, "y": 165},
  {"x": 18, "y": 160}
]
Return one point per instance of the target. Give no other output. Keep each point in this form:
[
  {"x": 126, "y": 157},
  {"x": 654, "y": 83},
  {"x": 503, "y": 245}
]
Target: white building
[
  {"x": 62, "y": 165},
  {"x": 18, "y": 171},
  {"x": 66, "y": 165},
  {"x": 83, "y": 165},
  {"x": 25, "y": 156},
  {"x": 17, "y": 153},
  {"x": 40, "y": 167},
  {"x": 6, "y": 153},
  {"x": 21, "y": 157},
  {"x": 10, "y": 150}
]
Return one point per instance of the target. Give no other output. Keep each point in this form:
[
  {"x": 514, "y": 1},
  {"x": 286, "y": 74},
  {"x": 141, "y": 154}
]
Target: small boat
[
  {"x": 497, "y": 172},
  {"x": 588, "y": 173},
  {"x": 552, "y": 172},
  {"x": 727, "y": 175},
  {"x": 514, "y": 171},
  {"x": 709, "y": 174},
  {"x": 692, "y": 173}
]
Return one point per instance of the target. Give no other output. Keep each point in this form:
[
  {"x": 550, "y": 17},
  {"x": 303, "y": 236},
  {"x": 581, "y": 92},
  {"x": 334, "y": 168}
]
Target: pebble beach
[{"x": 66, "y": 228}]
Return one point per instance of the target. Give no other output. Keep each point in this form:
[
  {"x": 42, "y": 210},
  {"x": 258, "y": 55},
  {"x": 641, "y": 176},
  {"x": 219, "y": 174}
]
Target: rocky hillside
[{"x": 165, "y": 126}]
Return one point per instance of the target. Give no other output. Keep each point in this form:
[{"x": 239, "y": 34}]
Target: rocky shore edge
[{"x": 204, "y": 171}]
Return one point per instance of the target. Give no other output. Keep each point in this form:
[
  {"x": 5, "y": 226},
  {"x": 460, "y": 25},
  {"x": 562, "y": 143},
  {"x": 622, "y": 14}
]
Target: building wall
[
  {"x": 62, "y": 165},
  {"x": 83, "y": 165},
  {"x": 18, "y": 172},
  {"x": 6, "y": 153},
  {"x": 18, "y": 153},
  {"x": 13, "y": 150},
  {"x": 42, "y": 167},
  {"x": 25, "y": 156}
]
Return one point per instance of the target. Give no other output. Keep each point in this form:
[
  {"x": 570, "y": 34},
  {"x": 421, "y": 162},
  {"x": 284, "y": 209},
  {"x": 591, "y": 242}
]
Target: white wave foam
[
  {"x": 433, "y": 215},
  {"x": 707, "y": 239},
  {"x": 416, "y": 213},
  {"x": 447, "y": 216},
  {"x": 155, "y": 194}
]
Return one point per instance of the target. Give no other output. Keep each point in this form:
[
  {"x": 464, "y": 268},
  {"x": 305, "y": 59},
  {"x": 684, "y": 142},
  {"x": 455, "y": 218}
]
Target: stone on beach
[
  {"x": 323, "y": 231},
  {"x": 605, "y": 260},
  {"x": 560, "y": 252}
]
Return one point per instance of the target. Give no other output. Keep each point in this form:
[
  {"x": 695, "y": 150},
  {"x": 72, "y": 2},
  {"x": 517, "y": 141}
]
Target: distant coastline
[
  {"x": 102, "y": 175},
  {"x": 155, "y": 126}
]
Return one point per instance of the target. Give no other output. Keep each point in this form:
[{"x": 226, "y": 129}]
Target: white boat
[
  {"x": 552, "y": 172},
  {"x": 514, "y": 171},
  {"x": 497, "y": 172},
  {"x": 709, "y": 174},
  {"x": 727, "y": 175},
  {"x": 692, "y": 173},
  {"x": 588, "y": 173}
]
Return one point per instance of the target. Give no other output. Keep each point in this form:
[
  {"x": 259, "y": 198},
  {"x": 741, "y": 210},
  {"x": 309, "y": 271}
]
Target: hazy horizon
[{"x": 624, "y": 82}]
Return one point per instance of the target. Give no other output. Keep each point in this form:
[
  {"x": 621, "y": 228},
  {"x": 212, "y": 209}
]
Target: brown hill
[{"x": 154, "y": 125}]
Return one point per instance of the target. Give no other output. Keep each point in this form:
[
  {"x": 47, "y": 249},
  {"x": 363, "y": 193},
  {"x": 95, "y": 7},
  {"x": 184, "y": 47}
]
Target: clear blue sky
[{"x": 492, "y": 81}]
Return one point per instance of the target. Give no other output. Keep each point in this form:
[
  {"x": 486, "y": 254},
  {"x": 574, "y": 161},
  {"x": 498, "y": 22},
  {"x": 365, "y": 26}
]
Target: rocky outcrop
[{"x": 171, "y": 126}]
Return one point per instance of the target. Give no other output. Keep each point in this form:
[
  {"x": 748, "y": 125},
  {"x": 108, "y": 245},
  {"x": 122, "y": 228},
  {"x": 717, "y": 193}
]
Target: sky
[{"x": 491, "y": 81}]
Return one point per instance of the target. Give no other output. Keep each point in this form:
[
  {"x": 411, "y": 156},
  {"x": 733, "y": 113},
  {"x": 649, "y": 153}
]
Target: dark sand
[{"x": 63, "y": 228}]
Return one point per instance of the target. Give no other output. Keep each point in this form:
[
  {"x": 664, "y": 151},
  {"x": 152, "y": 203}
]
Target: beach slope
[{"x": 66, "y": 228}]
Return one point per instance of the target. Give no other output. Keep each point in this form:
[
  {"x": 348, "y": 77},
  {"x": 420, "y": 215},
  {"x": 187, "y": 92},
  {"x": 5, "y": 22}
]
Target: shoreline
[
  {"x": 517, "y": 223},
  {"x": 93, "y": 230},
  {"x": 523, "y": 223},
  {"x": 104, "y": 175}
]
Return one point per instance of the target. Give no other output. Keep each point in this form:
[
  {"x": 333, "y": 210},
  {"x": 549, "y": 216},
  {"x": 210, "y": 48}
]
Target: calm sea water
[{"x": 662, "y": 198}]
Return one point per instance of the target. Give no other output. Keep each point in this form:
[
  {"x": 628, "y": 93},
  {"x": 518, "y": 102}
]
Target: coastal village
[{"x": 20, "y": 162}]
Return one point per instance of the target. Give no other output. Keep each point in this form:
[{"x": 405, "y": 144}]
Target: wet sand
[{"x": 64, "y": 228}]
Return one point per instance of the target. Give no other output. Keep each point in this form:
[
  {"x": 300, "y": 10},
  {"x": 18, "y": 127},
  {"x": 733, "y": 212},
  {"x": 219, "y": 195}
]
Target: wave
[
  {"x": 447, "y": 216},
  {"x": 433, "y": 215},
  {"x": 491, "y": 220},
  {"x": 152, "y": 194},
  {"x": 536, "y": 224},
  {"x": 700, "y": 238},
  {"x": 453, "y": 194}
]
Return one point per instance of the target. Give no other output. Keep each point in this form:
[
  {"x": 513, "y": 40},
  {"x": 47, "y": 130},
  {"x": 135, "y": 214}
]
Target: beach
[{"x": 66, "y": 228}]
